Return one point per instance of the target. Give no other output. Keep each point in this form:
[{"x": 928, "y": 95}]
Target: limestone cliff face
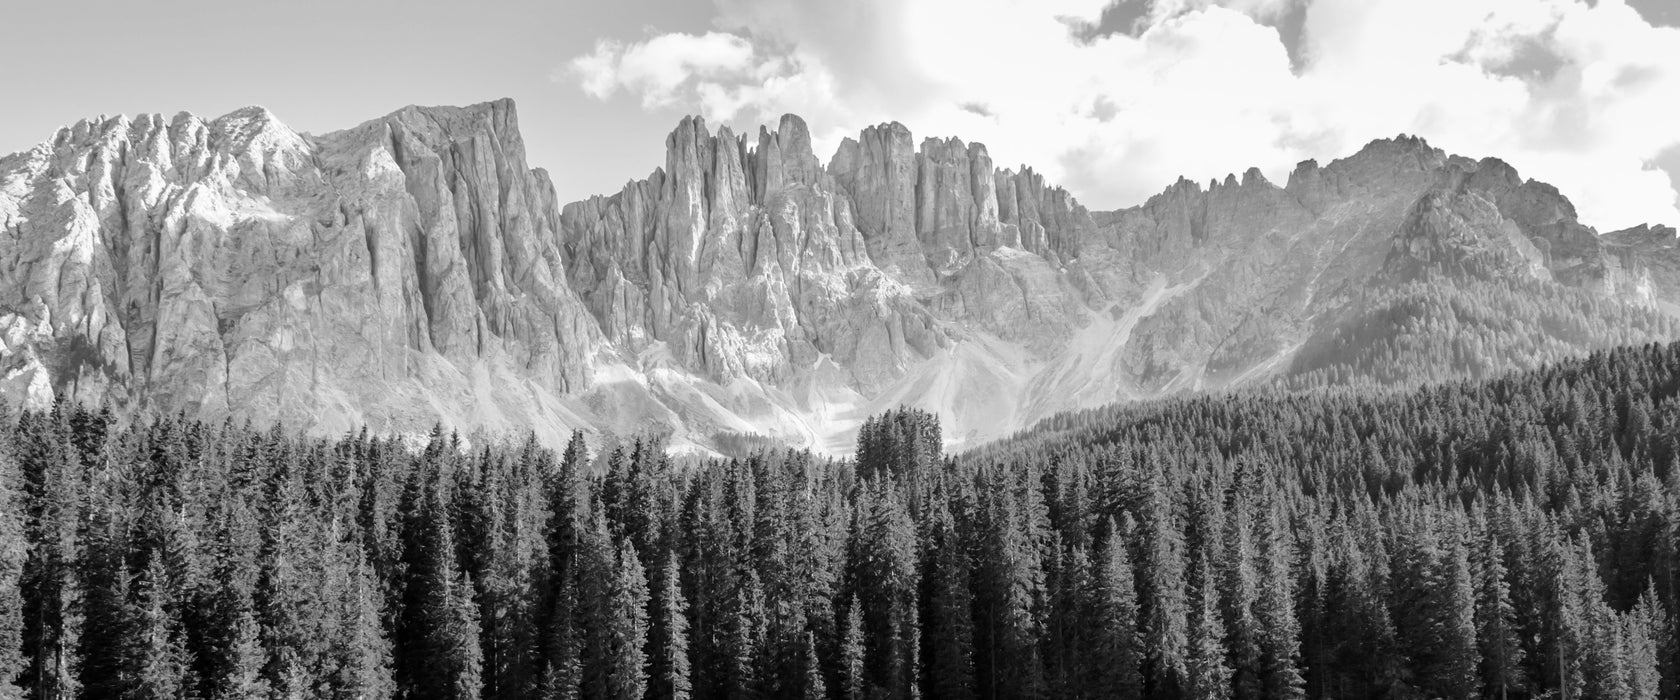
[
  {"x": 738, "y": 259},
  {"x": 746, "y": 258},
  {"x": 387, "y": 274},
  {"x": 415, "y": 269}
]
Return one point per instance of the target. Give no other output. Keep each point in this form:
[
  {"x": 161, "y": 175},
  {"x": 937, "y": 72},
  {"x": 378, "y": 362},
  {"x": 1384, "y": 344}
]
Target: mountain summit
[{"x": 414, "y": 270}]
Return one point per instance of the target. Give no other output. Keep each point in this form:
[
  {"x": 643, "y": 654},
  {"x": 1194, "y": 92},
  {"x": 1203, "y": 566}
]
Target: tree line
[{"x": 1505, "y": 538}]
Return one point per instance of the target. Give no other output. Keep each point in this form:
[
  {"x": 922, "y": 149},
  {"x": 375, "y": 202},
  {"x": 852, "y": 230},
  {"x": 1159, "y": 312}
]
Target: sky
[{"x": 1114, "y": 99}]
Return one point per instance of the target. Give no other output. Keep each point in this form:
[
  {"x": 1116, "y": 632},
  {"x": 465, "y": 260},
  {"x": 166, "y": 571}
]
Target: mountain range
[{"x": 415, "y": 270}]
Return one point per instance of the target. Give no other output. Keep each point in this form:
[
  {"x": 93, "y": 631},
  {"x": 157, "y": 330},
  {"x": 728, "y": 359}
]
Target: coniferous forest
[{"x": 1506, "y": 538}]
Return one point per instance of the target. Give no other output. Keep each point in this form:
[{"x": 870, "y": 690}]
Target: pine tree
[
  {"x": 950, "y": 621},
  {"x": 886, "y": 572},
  {"x": 158, "y": 664},
  {"x": 855, "y": 685},
  {"x": 597, "y": 577},
  {"x": 106, "y": 649},
  {"x": 363, "y": 655},
  {"x": 671, "y": 667},
  {"x": 230, "y": 655},
  {"x": 562, "y": 665},
  {"x": 1115, "y": 655},
  {"x": 1596, "y": 632},
  {"x": 242, "y": 671},
  {"x": 1162, "y": 595},
  {"x": 53, "y": 491},
  {"x": 1496, "y": 634},
  {"x": 455, "y": 645},
  {"x": 627, "y": 678},
  {"x": 743, "y": 645},
  {"x": 1012, "y": 601},
  {"x": 1645, "y": 627},
  {"x": 1459, "y": 639},
  {"x": 1242, "y": 583},
  {"x": 811, "y": 674},
  {"x": 1207, "y": 677},
  {"x": 1275, "y": 612},
  {"x": 14, "y": 552},
  {"x": 445, "y": 657},
  {"x": 1569, "y": 623}
]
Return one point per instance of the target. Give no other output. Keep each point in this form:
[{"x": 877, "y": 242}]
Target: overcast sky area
[{"x": 1114, "y": 100}]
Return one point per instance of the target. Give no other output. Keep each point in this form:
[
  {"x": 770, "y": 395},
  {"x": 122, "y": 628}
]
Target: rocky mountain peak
[{"x": 415, "y": 268}]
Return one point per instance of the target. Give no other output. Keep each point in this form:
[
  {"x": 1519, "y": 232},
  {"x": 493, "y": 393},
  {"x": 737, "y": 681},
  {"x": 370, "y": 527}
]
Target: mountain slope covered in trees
[{"x": 1511, "y": 538}]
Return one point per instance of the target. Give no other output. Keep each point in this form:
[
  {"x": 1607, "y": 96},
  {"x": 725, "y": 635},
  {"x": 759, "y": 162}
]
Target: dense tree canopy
[{"x": 1511, "y": 538}]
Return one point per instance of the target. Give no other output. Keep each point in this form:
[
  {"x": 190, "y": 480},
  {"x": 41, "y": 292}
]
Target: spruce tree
[
  {"x": 1275, "y": 612},
  {"x": 950, "y": 621},
  {"x": 1207, "y": 676},
  {"x": 1162, "y": 594},
  {"x": 107, "y": 647},
  {"x": 562, "y": 664},
  {"x": 1458, "y": 634},
  {"x": 158, "y": 665},
  {"x": 1242, "y": 598},
  {"x": 1496, "y": 633},
  {"x": 53, "y": 491},
  {"x": 597, "y": 577},
  {"x": 812, "y": 686},
  {"x": 14, "y": 552},
  {"x": 361, "y": 652},
  {"x": 627, "y": 655},
  {"x": 743, "y": 643},
  {"x": 1648, "y": 640},
  {"x": 854, "y": 684},
  {"x": 1012, "y": 602},
  {"x": 670, "y": 675},
  {"x": 1115, "y": 657},
  {"x": 456, "y": 645}
]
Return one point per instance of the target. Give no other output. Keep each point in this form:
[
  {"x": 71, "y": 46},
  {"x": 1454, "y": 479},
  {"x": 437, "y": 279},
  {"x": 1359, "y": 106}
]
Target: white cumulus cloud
[{"x": 1582, "y": 95}]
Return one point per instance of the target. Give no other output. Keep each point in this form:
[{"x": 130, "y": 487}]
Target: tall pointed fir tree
[
  {"x": 597, "y": 577},
  {"x": 158, "y": 665},
  {"x": 445, "y": 657},
  {"x": 812, "y": 686},
  {"x": 1115, "y": 655},
  {"x": 854, "y": 684},
  {"x": 670, "y": 667},
  {"x": 362, "y": 654},
  {"x": 230, "y": 658},
  {"x": 1012, "y": 599},
  {"x": 455, "y": 645},
  {"x": 1649, "y": 641},
  {"x": 561, "y": 638},
  {"x": 1162, "y": 594},
  {"x": 886, "y": 574},
  {"x": 950, "y": 617},
  {"x": 562, "y": 663},
  {"x": 1458, "y": 618},
  {"x": 743, "y": 642},
  {"x": 53, "y": 491},
  {"x": 1496, "y": 628},
  {"x": 1242, "y": 600},
  {"x": 627, "y": 678},
  {"x": 106, "y": 649},
  {"x": 1207, "y": 676},
  {"x": 14, "y": 552},
  {"x": 1280, "y": 645}
]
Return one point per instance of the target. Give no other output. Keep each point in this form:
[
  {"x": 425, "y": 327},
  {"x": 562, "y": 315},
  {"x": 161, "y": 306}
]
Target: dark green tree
[{"x": 1115, "y": 656}]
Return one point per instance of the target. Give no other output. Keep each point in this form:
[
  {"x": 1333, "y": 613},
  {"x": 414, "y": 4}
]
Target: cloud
[
  {"x": 1575, "y": 93},
  {"x": 661, "y": 67}
]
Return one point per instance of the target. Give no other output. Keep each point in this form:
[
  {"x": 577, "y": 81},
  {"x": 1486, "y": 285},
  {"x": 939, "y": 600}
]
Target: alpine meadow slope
[{"x": 415, "y": 269}]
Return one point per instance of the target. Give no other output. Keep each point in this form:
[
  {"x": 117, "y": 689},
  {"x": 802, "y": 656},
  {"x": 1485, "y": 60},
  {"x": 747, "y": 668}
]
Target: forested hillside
[{"x": 1509, "y": 538}]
